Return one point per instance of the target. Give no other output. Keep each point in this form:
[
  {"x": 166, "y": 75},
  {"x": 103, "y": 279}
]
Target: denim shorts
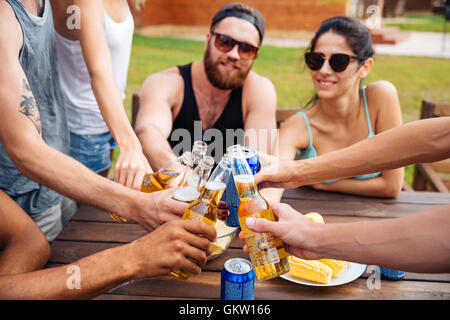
[{"x": 92, "y": 150}]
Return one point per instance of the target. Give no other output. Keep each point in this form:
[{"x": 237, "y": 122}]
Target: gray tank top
[{"x": 39, "y": 62}]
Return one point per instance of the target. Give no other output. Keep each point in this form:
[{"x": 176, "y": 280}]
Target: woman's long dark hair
[{"x": 356, "y": 34}]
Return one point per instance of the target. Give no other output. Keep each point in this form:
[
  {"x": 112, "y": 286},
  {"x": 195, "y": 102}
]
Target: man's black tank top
[{"x": 226, "y": 131}]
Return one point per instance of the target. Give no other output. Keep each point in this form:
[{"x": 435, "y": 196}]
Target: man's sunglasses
[
  {"x": 338, "y": 61},
  {"x": 225, "y": 44}
]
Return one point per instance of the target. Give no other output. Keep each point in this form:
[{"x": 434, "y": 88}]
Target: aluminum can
[
  {"x": 237, "y": 280},
  {"x": 252, "y": 159},
  {"x": 392, "y": 274},
  {"x": 231, "y": 196}
]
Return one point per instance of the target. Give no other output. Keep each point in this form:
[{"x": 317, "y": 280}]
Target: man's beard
[{"x": 222, "y": 79}]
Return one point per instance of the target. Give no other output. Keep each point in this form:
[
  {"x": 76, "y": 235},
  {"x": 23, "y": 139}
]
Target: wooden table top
[{"x": 92, "y": 230}]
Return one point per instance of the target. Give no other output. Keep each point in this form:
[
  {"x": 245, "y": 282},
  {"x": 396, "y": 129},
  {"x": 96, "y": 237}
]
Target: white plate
[{"x": 353, "y": 271}]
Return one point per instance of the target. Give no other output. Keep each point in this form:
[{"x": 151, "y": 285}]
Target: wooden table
[{"x": 92, "y": 230}]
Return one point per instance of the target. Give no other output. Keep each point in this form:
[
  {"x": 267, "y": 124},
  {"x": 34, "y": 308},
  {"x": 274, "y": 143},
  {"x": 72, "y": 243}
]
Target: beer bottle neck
[
  {"x": 246, "y": 186},
  {"x": 213, "y": 192}
]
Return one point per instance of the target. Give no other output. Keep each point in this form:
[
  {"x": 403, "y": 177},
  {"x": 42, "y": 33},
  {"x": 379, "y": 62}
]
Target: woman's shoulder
[
  {"x": 296, "y": 129},
  {"x": 380, "y": 89},
  {"x": 381, "y": 94},
  {"x": 383, "y": 104}
]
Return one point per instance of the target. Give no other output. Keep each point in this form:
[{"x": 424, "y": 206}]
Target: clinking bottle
[
  {"x": 198, "y": 153},
  {"x": 206, "y": 206},
  {"x": 267, "y": 252},
  {"x": 194, "y": 183},
  {"x": 160, "y": 179}
]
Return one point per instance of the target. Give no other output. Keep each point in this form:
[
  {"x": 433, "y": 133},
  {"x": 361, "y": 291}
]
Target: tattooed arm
[
  {"x": 14, "y": 87},
  {"x": 20, "y": 134},
  {"x": 29, "y": 108}
]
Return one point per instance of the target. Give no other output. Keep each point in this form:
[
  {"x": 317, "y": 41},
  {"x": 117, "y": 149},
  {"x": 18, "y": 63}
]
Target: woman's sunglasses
[
  {"x": 225, "y": 44},
  {"x": 338, "y": 61}
]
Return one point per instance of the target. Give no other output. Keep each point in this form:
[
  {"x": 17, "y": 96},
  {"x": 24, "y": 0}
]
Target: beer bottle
[
  {"x": 198, "y": 152},
  {"x": 206, "y": 206},
  {"x": 193, "y": 184},
  {"x": 267, "y": 252},
  {"x": 159, "y": 180}
]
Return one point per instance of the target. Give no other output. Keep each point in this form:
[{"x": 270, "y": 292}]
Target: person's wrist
[
  {"x": 129, "y": 204},
  {"x": 297, "y": 168},
  {"x": 316, "y": 234},
  {"x": 130, "y": 142},
  {"x": 132, "y": 266}
]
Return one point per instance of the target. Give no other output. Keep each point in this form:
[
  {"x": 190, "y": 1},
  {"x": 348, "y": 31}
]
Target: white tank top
[{"x": 83, "y": 114}]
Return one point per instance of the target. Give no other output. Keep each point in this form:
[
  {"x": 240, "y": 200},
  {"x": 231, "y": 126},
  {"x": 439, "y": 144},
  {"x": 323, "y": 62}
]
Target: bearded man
[{"x": 218, "y": 99}]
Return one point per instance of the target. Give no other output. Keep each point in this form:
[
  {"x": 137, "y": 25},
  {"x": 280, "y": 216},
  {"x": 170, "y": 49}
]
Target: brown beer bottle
[
  {"x": 267, "y": 252},
  {"x": 159, "y": 180},
  {"x": 206, "y": 206}
]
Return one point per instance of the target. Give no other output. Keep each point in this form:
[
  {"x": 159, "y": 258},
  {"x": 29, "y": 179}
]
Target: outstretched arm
[
  {"x": 131, "y": 164},
  {"x": 170, "y": 247},
  {"x": 387, "y": 242},
  {"x": 154, "y": 119},
  {"x": 20, "y": 133},
  {"x": 260, "y": 103},
  {"x": 416, "y": 142}
]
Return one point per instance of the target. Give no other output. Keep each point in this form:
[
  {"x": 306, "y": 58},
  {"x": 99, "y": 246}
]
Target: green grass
[
  {"x": 422, "y": 22},
  {"x": 414, "y": 77}
]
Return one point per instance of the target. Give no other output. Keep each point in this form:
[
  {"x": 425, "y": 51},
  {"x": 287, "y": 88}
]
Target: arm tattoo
[
  {"x": 26, "y": 86},
  {"x": 29, "y": 108}
]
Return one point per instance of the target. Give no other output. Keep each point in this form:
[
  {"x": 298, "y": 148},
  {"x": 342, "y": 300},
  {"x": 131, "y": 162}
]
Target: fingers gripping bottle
[
  {"x": 206, "y": 206},
  {"x": 267, "y": 252},
  {"x": 159, "y": 180}
]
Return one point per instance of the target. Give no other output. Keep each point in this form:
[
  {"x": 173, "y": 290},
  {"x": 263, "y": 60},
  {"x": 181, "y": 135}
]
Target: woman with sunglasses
[{"x": 343, "y": 110}]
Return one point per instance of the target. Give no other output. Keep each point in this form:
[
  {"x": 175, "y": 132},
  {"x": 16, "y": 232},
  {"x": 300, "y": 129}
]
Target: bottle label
[
  {"x": 272, "y": 255},
  {"x": 191, "y": 215},
  {"x": 264, "y": 248}
]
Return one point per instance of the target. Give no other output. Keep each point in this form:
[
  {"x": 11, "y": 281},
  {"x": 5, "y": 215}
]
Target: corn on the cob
[
  {"x": 311, "y": 270},
  {"x": 315, "y": 217},
  {"x": 336, "y": 265}
]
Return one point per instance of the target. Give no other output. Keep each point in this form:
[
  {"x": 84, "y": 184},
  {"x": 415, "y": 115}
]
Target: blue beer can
[
  {"x": 237, "y": 280},
  {"x": 392, "y": 274},
  {"x": 252, "y": 159},
  {"x": 230, "y": 195}
]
